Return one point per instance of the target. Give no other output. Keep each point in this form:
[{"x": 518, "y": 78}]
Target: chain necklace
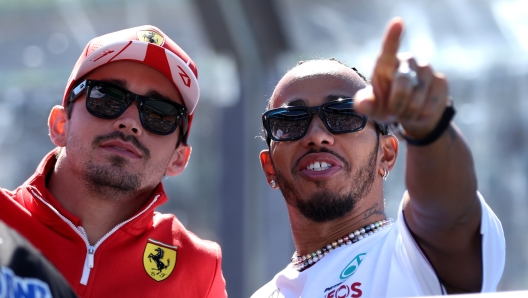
[{"x": 301, "y": 263}]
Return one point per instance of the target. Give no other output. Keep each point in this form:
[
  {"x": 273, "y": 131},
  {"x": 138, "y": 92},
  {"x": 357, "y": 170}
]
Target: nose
[
  {"x": 317, "y": 134},
  {"x": 129, "y": 121}
]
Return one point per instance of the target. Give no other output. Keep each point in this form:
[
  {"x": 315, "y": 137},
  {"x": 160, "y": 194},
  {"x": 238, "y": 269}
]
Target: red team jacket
[{"x": 149, "y": 255}]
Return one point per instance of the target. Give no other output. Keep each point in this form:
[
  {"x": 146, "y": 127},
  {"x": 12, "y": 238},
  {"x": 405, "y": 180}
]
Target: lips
[
  {"x": 319, "y": 166},
  {"x": 121, "y": 148}
]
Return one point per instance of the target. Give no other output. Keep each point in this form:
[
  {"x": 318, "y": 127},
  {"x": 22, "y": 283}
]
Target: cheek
[
  {"x": 81, "y": 122},
  {"x": 162, "y": 150},
  {"x": 282, "y": 158}
]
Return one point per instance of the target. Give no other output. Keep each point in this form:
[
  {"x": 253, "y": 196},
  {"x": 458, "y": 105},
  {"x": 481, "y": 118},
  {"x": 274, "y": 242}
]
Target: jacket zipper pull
[{"x": 91, "y": 252}]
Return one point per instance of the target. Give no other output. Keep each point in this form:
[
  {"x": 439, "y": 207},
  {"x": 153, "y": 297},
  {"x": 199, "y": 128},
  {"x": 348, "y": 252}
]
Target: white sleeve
[
  {"x": 493, "y": 248},
  {"x": 423, "y": 270},
  {"x": 493, "y": 252}
]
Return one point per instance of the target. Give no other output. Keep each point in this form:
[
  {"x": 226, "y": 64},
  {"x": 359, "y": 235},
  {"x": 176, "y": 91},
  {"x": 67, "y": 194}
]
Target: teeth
[{"x": 319, "y": 166}]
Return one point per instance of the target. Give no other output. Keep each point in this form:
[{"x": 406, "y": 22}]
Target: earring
[
  {"x": 385, "y": 174},
  {"x": 273, "y": 184}
]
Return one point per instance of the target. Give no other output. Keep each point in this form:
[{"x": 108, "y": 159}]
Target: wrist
[{"x": 440, "y": 128}]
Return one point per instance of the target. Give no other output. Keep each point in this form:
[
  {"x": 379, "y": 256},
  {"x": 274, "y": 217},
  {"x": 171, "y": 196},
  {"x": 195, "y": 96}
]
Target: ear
[
  {"x": 267, "y": 166},
  {"x": 388, "y": 152},
  {"x": 180, "y": 158},
  {"x": 58, "y": 125}
]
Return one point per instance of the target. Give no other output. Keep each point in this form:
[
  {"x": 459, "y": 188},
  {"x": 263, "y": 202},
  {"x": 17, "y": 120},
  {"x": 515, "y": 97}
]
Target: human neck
[
  {"x": 98, "y": 214},
  {"x": 309, "y": 236}
]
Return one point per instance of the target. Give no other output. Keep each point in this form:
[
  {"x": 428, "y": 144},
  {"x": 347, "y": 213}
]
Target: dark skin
[{"x": 441, "y": 207}]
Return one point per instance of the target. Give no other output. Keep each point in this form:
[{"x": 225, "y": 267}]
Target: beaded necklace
[{"x": 301, "y": 263}]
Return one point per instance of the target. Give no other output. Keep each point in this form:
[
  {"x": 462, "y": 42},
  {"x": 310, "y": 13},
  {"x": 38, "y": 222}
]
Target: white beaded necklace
[{"x": 304, "y": 262}]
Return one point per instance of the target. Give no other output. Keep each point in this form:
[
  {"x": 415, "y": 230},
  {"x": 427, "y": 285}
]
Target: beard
[
  {"x": 113, "y": 181},
  {"x": 326, "y": 205}
]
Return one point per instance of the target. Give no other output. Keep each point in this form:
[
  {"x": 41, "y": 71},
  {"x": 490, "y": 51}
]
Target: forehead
[{"x": 315, "y": 82}]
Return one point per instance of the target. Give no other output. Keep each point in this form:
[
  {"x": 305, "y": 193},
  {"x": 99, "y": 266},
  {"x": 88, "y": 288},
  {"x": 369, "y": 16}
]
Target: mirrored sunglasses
[
  {"x": 292, "y": 123},
  {"x": 108, "y": 101}
]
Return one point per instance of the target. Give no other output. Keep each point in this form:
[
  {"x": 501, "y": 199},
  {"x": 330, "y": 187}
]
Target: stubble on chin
[
  {"x": 326, "y": 204},
  {"x": 112, "y": 181}
]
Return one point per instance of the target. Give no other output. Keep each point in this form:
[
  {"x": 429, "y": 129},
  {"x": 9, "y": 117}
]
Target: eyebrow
[
  {"x": 123, "y": 84},
  {"x": 300, "y": 102}
]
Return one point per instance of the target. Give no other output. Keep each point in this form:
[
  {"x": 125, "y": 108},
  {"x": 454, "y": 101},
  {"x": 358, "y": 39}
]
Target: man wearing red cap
[{"x": 123, "y": 125}]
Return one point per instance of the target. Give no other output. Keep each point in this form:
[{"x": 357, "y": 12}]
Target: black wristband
[{"x": 448, "y": 114}]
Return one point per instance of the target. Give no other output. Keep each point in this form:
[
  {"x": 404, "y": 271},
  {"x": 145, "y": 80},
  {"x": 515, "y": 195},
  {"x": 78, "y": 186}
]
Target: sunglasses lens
[
  {"x": 160, "y": 116},
  {"x": 341, "y": 117},
  {"x": 288, "y": 124},
  {"x": 157, "y": 115},
  {"x": 106, "y": 101}
]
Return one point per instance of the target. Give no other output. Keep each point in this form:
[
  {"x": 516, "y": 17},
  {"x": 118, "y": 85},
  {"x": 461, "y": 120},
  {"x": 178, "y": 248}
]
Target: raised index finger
[
  {"x": 387, "y": 61},
  {"x": 373, "y": 102}
]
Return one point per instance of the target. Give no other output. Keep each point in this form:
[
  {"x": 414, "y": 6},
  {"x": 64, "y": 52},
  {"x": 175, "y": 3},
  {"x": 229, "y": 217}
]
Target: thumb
[{"x": 364, "y": 101}]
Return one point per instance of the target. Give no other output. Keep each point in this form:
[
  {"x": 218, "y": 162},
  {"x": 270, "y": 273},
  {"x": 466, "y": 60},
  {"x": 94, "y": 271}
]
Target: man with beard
[
  {"x": 123, "y": 125},
  {"x": 329, "y": 152}
]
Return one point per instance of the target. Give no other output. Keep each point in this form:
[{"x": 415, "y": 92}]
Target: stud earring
[{"x": 273, "y": 184}]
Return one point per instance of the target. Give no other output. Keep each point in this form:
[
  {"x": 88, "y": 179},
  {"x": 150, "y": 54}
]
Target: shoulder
[
  {"x": 283, "y": 278},
  {"x": 268, "y": 290},
  {"x": 185, "y": 239},
  {"x": 201, "y": 259},
  {"x": 6, "y": 194}
]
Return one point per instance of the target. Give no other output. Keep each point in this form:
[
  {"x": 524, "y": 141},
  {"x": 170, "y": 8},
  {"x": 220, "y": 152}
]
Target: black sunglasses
[
  {"x": 291, "y": 123},
  {"x": 108, "y": 101}
]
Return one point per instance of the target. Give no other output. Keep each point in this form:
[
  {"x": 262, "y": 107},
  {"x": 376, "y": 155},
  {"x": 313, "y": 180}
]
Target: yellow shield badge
[
  {"x": 150, "y": 36},
  {"x": 159, "y": 259}
]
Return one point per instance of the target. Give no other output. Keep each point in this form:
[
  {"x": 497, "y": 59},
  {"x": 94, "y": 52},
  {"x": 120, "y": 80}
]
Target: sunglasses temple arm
[{"x": 77, "y": 90}]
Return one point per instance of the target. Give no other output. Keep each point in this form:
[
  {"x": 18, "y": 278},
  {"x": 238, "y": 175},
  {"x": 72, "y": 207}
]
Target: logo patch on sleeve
[{"x": 159, "y": 259}]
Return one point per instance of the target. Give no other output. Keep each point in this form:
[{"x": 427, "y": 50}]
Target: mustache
[
  {"x": 322, "y": 150},
  {"x": 125, "y": 138}
]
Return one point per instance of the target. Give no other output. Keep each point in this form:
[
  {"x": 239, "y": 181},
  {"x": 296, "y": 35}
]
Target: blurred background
[{"x": 242, "y": 47}]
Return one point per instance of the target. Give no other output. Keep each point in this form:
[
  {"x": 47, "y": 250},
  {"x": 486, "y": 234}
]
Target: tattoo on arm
[{"x": 374, "y": 210}]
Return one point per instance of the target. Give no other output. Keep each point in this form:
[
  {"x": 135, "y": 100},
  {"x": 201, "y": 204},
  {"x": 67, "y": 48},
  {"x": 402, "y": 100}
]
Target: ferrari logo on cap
[
  {"x": 150, "y": 36},
  {"x": 159, "y": 259}
]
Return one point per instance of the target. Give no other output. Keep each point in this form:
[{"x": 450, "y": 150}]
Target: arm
[
  {"x": 443, "y": 212},
  {"x": 441, "y": 207}
]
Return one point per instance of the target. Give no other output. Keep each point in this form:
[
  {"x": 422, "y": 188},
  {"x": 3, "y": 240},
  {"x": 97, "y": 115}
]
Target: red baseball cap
[{"x": 144, "y": 44}]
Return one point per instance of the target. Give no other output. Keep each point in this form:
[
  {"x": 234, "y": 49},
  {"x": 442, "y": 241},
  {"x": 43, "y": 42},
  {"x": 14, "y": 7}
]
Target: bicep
[{"x": 454, "y": 248}]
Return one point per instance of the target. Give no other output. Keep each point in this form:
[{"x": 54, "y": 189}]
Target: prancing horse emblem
[
  {"x": 151, "y": 37},
  {"x": 159, "y": 259}
]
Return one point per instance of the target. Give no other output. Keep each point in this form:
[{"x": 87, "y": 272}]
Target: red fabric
[
  {"x": 157, "y": 58},
  {"x": 118, "y": 262}
]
